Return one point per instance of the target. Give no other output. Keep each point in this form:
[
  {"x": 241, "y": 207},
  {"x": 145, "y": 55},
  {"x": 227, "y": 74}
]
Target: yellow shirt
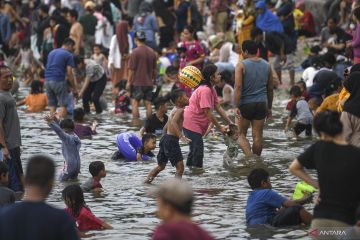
[
  {"x": 297, "y": 16},
  {"x": 329, "y": 103},
  {"x": 343, "y": 96}
]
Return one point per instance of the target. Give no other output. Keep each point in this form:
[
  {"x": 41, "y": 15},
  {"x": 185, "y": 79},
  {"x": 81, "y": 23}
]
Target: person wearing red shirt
[{"x": 306, "y": 23}]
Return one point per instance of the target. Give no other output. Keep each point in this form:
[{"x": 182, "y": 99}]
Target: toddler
[
  {"x": 122, "y": 101},
  {"x": 232, "y": 143},
  {"x": 148, "y": 145},
  {"x": 301, "y": 111}
]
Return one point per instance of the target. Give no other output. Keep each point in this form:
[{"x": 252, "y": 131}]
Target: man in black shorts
[
  {"x": 142, "y": 65},
  {"x": 253, "y": 95}
]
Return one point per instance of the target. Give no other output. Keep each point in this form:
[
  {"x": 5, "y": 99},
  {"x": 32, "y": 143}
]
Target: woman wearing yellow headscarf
[{"x": 246, "y": 21}]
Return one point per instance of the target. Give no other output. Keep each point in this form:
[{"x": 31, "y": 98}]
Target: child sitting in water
[
  {"x": 264, "y": 206},
  {"x": 73, "y": 197},
  {"x": 37, "y": 100},
  {"x": 70, "y": 145},
  {"x": 301, "y": 111},
  {"x": 148, "y": 144},
  {"x": 122, "y": 101},
  {"x": 7, "y": 195},
  {"x": 97, "y": 171},
  {"x": 232, "y": 143},
  {"x": 156, "y": 123},
  {"x": 81, "y": 130},
  {"x": 169, "y": 144}
]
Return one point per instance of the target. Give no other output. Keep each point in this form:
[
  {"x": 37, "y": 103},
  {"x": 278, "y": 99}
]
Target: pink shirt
[{"x": 195, "y": 118}]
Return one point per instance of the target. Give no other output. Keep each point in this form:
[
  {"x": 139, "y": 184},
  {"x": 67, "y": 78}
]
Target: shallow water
[{"x": 220, "y": 193}]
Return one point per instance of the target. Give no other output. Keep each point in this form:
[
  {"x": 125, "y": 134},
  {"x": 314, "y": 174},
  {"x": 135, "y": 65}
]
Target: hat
[
  {"x": 140, "y": 35},
  {"x": 90, "y": 5},
  {"x": 176, "y": 192},
  {"x": 215, "y": 41}
]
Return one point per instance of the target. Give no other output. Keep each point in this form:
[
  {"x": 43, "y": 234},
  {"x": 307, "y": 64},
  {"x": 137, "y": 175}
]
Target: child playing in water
[
  {"x": 169, "y": 144},
  {"x": 97, "y": 171},
  {"x": 148, "y": 144},
  {"x": 301, "y": 111},
  {"x": 25, "y": 57},
  {"x": 7, "y": 195},
  {"x": 122, "y": 101},
  {"x": 304, "y": 94},
  {"x": 37, "y": 100},
  {"x": 81, "y": 130},
  {"x": 232, "y": 143},
  {"x": 263, "y": 202},
  {"x": 70, "y": 145},
  {"x": 156, "y": 123},
  {"x": 73, "y": 197}
]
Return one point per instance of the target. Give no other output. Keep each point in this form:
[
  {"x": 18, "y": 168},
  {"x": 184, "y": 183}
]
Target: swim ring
[{"x": 127, "y": 144}]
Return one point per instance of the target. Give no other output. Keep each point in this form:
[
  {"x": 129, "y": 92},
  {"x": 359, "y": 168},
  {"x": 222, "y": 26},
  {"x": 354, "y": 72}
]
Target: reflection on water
[{"x": 220, "y": 192}]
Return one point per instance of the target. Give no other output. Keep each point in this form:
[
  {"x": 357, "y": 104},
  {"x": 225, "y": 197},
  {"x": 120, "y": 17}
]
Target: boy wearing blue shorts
[
  {"x": 265, "y": 206},
  {"x": 169, "y": 144}
]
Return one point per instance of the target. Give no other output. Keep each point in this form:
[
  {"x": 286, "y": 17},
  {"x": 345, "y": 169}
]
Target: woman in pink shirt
[{"x": 199, "y": 114}]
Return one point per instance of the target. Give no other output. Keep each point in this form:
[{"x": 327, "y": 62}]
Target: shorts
[
  {"x": 288, "y": 65},
  {"x": 287, "y": 217},
  {"x": 169, "y": 150},
  {"x": 254, "y": 111},
  {"x": 300, "y": 127},
  {"x": 57, "y": 93},
  {"x": 141, "y": 93}
]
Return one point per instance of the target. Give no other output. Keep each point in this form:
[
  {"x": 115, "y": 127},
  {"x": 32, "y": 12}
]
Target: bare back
[{"x": 175, "y": 122}]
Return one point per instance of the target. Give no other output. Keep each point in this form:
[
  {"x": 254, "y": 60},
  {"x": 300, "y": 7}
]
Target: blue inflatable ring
[{"x": 127, "y": 144}]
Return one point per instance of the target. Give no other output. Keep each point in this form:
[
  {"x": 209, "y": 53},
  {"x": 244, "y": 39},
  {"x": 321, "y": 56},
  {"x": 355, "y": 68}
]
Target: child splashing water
[
  {"x": 70, "y": 145},
  {"x": 232, "y": 143},
  {"x": 73, "y": 197},
  {"x": 169, "y": 144}
]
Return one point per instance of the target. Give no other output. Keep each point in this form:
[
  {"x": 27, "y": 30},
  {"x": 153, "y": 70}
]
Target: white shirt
[
  {"x": 308, "y": 76},
  {"x": 114, "y": 52}
]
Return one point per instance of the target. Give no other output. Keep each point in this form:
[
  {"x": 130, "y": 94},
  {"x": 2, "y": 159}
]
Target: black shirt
[
  {"x": 154, "y": 125},
  {"x": 337, "y": 168},
  {"x": 36, "y": 221},
  {"x": 275, "y": 40}
]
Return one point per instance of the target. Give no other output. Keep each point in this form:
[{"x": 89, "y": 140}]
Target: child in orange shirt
[{"x": 37, "y": 100}]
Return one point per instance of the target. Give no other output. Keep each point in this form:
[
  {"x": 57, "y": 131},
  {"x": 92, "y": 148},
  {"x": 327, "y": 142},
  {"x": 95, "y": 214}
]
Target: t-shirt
[
  {"x": 10, "y": 118},
  {"x": 83, "y": 131},
  {"x": 143, "y": 62},
  {"x": 337, "y": 168},
  {"x": 89, "y": 22},
  {"x": 181, "y": 230},
  {"x": 262, "y": 205},
  {"x": 36, "y": 102},
  {"x": 302, "y": 112},
  {"x": 195, "y": 118},
  {"x": 86, "y": 220},
  {"x": 7, "y": 196},
  {"x": 58, "y": 60},
  {"x": 154, "y": 125},
  {"x": 93, "y": 71},
  {"x": 329, "y": 103},
  {"x": 36, "y": 221},
  {"x": 274, "y": 41},
  {"x": 91, "y": 184}
]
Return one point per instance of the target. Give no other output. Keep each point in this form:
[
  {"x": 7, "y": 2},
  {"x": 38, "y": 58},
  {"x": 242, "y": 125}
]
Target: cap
[
  {"x": 140, "y": 35},
  {"x": 177, "y": 193},
  {"x": 215, "y": 41}
]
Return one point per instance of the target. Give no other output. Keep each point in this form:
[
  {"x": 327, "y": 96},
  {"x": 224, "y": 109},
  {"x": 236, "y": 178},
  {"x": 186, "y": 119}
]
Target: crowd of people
[{"x": 68, "y": 51}]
